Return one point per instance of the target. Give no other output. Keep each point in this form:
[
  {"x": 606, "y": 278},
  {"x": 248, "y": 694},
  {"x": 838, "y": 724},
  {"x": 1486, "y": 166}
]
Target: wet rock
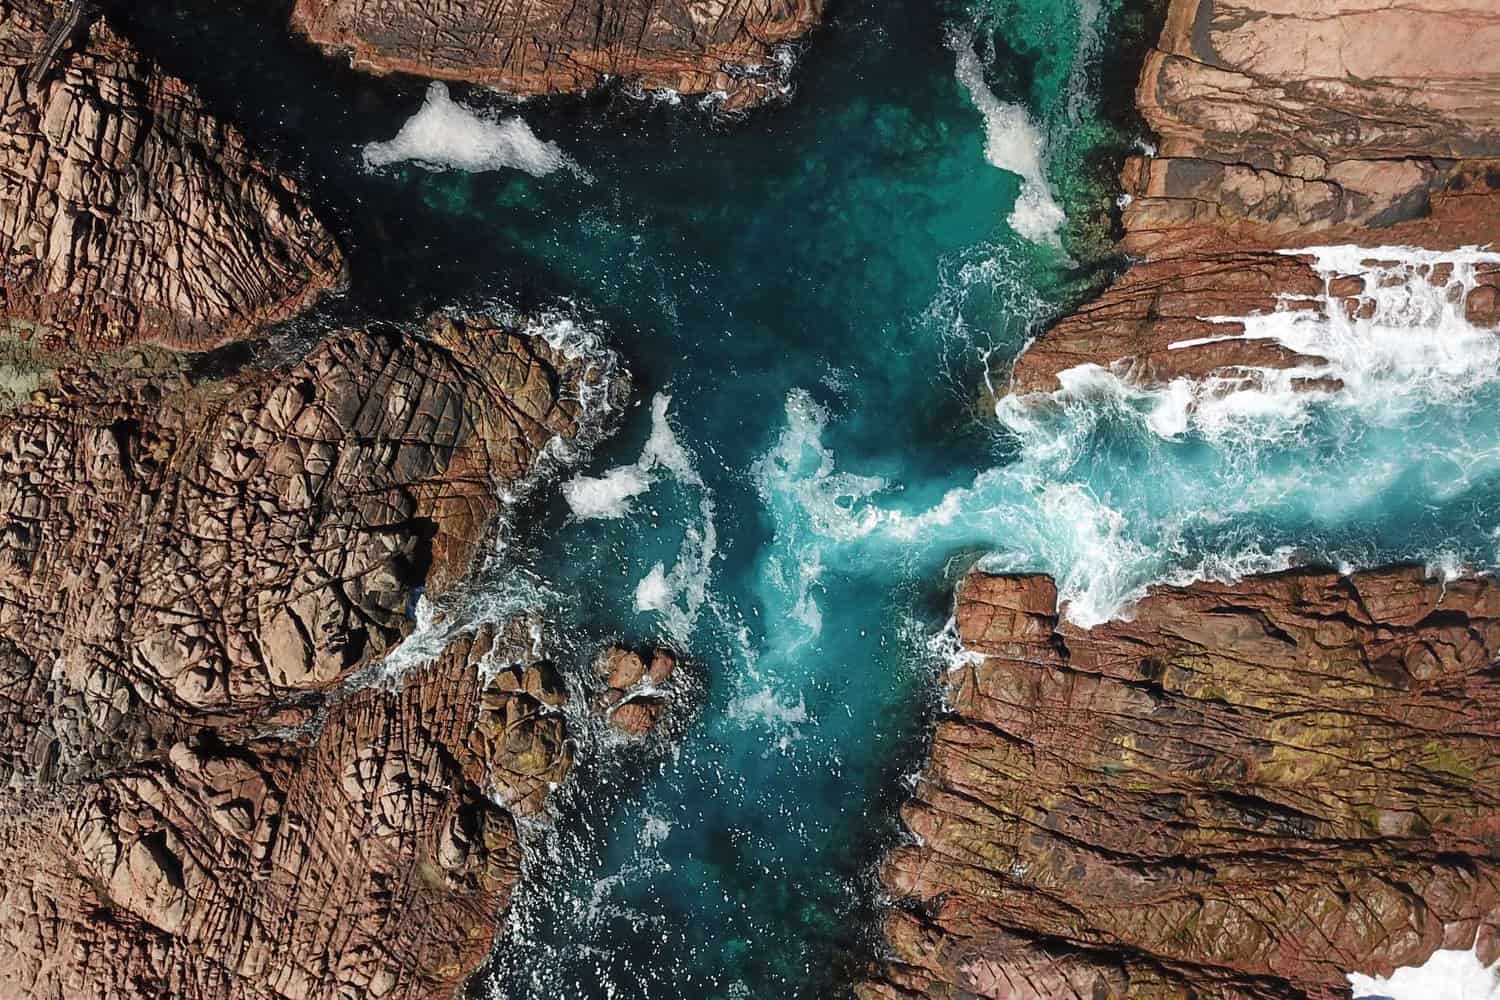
[
  {"x": 522, "y": 735},
  {"x": 638, "y": 688},
  {"x": 192, "y": 575},
  {"x": 1281, "y": 125},
  {"x": 128, "y": 213},
  {"x": 732, "y": 48},
  {"x": 1245, "y": 791}
]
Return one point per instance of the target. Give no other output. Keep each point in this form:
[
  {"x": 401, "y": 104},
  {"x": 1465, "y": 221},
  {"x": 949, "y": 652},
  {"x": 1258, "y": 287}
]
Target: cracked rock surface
[
  {"x": 639, "y": 688},
  {"x": 1284, "y": 124},
  {"x": 1245, "y": 792},
  {"x": 547, "y": 46},
  {"x": 194, "y": 797},
  {"x": 130, "y": 214}
]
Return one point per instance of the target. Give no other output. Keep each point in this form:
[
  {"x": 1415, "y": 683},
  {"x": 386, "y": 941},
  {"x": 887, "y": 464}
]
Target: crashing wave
[
  {"x": 447, "y": 135},
  {"x": 1402, "y": 342},
  {"x": 1014, "y": 143}
]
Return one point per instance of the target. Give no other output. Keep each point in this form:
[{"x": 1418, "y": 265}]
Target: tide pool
[{"x": 811, "y": 301}]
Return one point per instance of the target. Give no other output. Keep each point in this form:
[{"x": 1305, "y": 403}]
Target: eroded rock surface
[
  {"x": 729, "y": 47},
  {"x": 1245, "y": 792},
  {"x": 638, "y": 688},
  {"x": 128, "y": 213},
  {"x": 190, "y": 574},
  {"x": 1285, "y": 124}
]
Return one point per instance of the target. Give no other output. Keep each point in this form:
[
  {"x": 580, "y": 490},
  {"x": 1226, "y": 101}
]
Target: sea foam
[
  {"x": 447, "y": 135},
  {"x": 1013, "y": 142},
  {"x": 1401, "y": 343},
  {"x": 1447, "y": 975},
  {"x": 610, "y": 495}
]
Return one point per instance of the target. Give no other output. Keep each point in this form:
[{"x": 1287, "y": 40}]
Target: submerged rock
[
  {"x": 128, "y": 213},
  {"x": 1286, "y": 125},
  {"x": 731, "y": 48},
  {"x": 1247, "y": 790},
  {"x": 191, "y": 574}
]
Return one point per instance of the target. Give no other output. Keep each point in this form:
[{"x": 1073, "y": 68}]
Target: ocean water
[{"x": 818, "y": 304}]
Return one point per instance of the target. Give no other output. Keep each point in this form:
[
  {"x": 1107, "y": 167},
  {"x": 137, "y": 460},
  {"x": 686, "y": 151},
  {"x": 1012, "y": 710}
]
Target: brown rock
[
  {"x": 639, "y": 688},
  {"x": 690, "y": 46},
  {"x": 190, "y": 575},
  {"x": 1288, "y": 123},
  {"x": 1248, "y": 790},
  {"x": 128, "y": 213},
  {"x": 368, "y": 861}
]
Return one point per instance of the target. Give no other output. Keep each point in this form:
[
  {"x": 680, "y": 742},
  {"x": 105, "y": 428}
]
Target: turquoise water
[{"x": 815, "y": 295}]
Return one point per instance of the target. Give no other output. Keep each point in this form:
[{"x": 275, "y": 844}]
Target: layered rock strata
[
  {"x": 1285, "y": 124},
  {"x": 128, "y": 213},
  {"x": 1246, "y": 791},
  {"x": 195, "y": 799},
  {"x": 735, "y": 49}
]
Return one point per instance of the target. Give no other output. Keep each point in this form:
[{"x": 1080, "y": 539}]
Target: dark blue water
[{"x": 809, "y": 301}]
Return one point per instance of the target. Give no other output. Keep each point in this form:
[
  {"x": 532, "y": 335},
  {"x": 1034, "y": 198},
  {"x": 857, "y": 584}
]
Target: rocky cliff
[
  {"x": 212, "y": 783},
  {"x": 128, "y": 213},
  {"x": 196, "y": 790},
  {"x": 1246, "y": 791},
  {"x": 1285, "y": 124},
  {"x": 732, "y": 48}
]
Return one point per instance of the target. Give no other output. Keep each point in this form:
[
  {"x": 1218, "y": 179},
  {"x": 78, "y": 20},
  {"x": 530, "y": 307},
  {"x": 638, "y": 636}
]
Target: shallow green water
[{"x": 818, "y": 291}]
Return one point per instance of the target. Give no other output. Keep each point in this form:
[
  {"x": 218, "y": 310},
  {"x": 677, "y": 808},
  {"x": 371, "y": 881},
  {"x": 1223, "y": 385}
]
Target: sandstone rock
[
  {"x": 1244, "y": 792},
  {"x": 638, "y": 689},
  {"x": 128, "y": 213},
  {"x": 1285, "y": 124},
  {"x": 368, "y": 861},
  {"x": 191, "y": 573},
  {"x": 732, "y": 47}
]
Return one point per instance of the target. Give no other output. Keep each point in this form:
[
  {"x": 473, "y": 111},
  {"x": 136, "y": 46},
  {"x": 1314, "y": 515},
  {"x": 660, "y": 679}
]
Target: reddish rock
[
  {"x": 128, "y": 213},
  {"x": 191, "y": 573},
  {"x": 689, "y": 46},
  {"x": 638, "y": 689},
  {"x": 1282, "y": 124},
  {"x": 1246, "y": 791}
]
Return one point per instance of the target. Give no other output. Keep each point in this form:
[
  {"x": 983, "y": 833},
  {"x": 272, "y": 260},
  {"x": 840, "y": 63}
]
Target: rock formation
[
  {"x": 1288, "y": 124},
  {"x": 195, "y": 798},
  {"x": 733, "y": 48},
  {"x": 128, "y": 213},
  {"x": 638, "y": 689},
  {"x": 1246, "y": 791}
]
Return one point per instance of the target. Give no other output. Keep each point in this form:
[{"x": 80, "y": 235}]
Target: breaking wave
[
  {"x": 1013, "y": 142},
  {"x": 447, "y": 135},
  {"x": 1400, "y": 343}
]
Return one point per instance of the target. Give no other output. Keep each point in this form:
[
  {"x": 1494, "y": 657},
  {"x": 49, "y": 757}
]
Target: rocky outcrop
[
  {"x": 1246, "y": 791},
  {"x": 1285, "y": 124},
  {"x": 735, "y": 49},
  {"x": 638, "y": 689},
  {"x": 128, "y": 213},
  {"x": 192, "y": 572}
]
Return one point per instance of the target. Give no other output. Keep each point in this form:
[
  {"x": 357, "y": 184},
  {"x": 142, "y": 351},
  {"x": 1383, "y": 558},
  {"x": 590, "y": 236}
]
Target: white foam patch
[
  {"x": 610, "y": 495},
  {"x": 1014, "y": 143},
  {"x": 447, "y": 135},
  {"x": 678, "y": 594},
  {"x": 1447, "y": 975},
  {"x": 1407, "y": 344},
  {"x": 765, "y": 707}
]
